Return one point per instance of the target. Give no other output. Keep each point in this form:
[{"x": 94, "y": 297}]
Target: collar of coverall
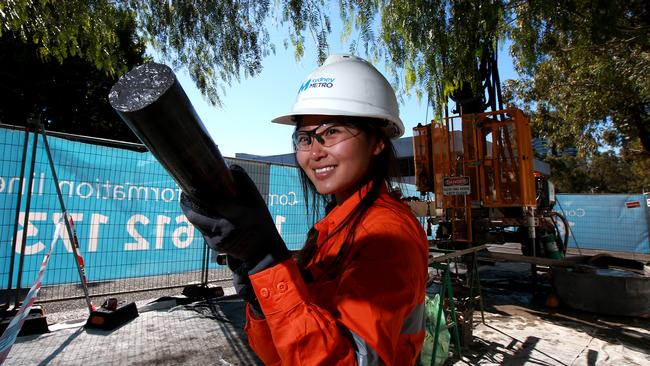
[{"x": 340, "y": 212}]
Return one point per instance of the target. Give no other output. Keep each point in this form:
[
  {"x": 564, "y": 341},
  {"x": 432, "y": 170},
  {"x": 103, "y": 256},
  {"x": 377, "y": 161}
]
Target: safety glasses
[{"x": 327, "y": 134}]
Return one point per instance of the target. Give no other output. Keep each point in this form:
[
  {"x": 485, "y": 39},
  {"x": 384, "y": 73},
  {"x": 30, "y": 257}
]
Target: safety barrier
[
  {"x": 612, "y": 222},
  {"x": 131, "y": 232}
]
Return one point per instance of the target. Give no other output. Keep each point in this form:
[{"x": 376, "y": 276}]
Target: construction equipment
[{"x": 480, "y": 169}]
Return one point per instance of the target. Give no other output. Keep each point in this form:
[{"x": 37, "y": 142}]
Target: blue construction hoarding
[
  {"x": 612, "y": 222},
  {"x": 125, "y": 209}
]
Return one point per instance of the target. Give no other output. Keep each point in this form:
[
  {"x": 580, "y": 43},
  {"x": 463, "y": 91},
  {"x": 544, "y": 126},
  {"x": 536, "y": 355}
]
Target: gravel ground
[
  {"x": 522, "y": 327},
  {"x": 70, "y": 310},
  {"x": 130, "y": 290},
  {"x": 519, "y": 329}
]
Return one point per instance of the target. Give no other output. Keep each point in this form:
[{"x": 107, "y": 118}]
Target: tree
[
  {"x": 573, "y": 50},
  {"x": 601, "y": 173},
  {"x": 440, "y": 49},
  {"x": 218, "y": 41},
  {"x": 222, "y": 40},
  {"x": 67, "y": 89},
  {"x": 587, "y": 72},
  {"x": 62, "y": 29},
  {"x": 435, "y": 54},
  {"x": 586, "y": 64},
  {"x": 586, "y": 83}
]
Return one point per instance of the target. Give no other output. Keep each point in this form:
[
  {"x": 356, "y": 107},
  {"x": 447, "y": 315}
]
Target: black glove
[
  {"x": 243, "y": 286},
  {"x": 241, "y": 227}
]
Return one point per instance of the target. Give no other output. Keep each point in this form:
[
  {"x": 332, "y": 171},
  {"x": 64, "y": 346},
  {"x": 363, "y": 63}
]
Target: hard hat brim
[{"x": 291, "y": 119}]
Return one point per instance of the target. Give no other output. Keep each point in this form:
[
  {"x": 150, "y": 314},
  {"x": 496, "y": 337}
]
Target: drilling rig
[{"x": 479, "y": 167}]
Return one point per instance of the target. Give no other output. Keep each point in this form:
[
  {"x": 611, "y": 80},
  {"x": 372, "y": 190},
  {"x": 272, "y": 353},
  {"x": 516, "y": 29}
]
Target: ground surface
[
  {"x": 164, "y": 333},
  {"x": 519, "y": 330}
]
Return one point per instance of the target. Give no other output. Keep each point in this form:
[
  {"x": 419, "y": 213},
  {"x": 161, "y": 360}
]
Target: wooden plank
[
  {"x": 512, "y": 252},
  {"x": 642, "y": 257},
  {"x": 532, "y": 260},
  {"x": 457, "y": 253}
]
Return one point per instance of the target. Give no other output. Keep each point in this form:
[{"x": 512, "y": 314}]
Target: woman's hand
[
  {"x": 242, "y": 284},
  {"x": 241, "y": 227}
]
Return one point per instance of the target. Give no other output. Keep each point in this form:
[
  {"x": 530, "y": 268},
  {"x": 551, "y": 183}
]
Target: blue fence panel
[
  {"x": 287, "y": 205},
  {"x": 613, "y": 222},
  {"x": 124, "y": 205},
  {"x": 125, "y": 209}
]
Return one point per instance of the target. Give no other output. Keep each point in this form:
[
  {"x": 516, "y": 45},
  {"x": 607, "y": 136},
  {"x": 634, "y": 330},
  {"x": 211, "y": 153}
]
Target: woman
[{"x": 354, "y": 295}]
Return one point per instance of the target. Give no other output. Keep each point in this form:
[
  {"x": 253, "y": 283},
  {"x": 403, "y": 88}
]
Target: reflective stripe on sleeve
[
  {"x": 414, "y": 322},
  {"x": 366, "y": 356}
]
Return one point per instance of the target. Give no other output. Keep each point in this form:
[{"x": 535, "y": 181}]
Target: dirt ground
[{"x": 519, "y": 329}]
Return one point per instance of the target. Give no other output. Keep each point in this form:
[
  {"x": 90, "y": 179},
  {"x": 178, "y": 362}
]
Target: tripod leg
[
  {"x": 68, "y": 226},
  {"x": 478, "y": 285}
]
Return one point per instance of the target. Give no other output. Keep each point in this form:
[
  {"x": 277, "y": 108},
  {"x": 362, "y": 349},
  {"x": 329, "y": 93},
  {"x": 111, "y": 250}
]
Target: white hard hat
[{"x": 347, "y": 85}]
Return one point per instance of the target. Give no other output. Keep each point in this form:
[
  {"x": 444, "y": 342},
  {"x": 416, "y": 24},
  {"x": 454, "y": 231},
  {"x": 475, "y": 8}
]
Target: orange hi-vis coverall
[{"x": 366, "y": 308}]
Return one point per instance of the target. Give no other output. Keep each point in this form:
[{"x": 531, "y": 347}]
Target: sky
[{"x": 243, "y": 123}]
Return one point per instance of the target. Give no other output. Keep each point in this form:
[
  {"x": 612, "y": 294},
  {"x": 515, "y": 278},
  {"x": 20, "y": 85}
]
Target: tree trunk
[{"x": 642, "y": 127}]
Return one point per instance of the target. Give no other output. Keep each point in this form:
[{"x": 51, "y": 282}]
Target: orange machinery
[{"x": 480, "y": 169}]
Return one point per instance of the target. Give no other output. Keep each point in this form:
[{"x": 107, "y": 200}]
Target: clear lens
[{"x": 327, "y": 134}]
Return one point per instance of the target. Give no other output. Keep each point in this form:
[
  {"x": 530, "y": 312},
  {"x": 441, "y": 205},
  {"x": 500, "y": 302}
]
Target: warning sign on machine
[{"x": 455, "y": 186}]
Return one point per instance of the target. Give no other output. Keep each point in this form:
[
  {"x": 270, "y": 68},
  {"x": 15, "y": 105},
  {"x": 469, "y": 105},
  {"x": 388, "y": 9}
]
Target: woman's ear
[{"x": 379, "y": 147}]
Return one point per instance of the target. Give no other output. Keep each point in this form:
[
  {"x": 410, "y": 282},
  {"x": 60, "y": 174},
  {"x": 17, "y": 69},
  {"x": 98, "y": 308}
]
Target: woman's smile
[{"x": 324, "y": 171}]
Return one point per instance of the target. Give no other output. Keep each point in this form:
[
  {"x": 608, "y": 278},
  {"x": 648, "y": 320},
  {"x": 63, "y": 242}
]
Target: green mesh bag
[{"x": 431, "y": 307}]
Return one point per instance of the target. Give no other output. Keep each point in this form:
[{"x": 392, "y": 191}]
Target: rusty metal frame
[{"x": 494, "y": 149}]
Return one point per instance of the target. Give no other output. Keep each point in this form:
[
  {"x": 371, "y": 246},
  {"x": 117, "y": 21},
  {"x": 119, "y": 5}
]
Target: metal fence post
[
  {"x": 21, "y": 261},
  {"x": 16, "y": 221},
  {"x": 646, "y": 196}
]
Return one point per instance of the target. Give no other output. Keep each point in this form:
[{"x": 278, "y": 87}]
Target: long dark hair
[{"x": 382, "y": 167}]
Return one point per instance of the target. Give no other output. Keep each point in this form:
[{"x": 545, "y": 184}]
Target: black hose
[{"x": 567, "y": 230}]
